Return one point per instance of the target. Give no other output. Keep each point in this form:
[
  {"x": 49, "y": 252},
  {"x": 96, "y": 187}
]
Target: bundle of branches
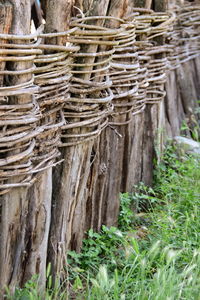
[
  {"x": 186, "y": 35},
  {"x": 19, "y": 112},
  {"x": 86, "y": 112},
  {"x": 124, "y": 75},
  {"x": 52, "y": 75},
  {"x": 151, "y": 29}
]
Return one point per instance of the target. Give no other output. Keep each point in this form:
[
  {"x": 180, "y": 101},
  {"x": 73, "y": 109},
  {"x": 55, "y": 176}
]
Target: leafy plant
[{"x": 191, "y": 126}]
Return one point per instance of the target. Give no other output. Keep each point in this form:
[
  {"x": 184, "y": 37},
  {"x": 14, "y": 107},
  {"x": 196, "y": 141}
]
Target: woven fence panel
[
  {"x": 52, "y": 76},
  {"x": 86, "y": 113},
  {"x": 19, "y": 112},
  {"x": 78, "y": 89}
]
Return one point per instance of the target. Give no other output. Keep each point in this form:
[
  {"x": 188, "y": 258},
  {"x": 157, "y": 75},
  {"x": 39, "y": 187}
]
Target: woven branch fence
[
  {"x": 69, "y": 100},
  {"x": 126, "y": 73}
]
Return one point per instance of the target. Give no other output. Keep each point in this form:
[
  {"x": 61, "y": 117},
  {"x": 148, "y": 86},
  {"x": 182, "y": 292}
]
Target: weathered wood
[
  {"x": 154, "y": 122},
  {"x": 87, "y": 185},
  {"x": 148, "y": 4},
  {"x": 106, "y": 172},
  {"x": 14, "y": 206},
  {"x": 70, "y": 183},
  {"x": 139, "y": 3},
  {"x": 37, "y": 228},
  {"x": 159, "y": 5},
  {"x": 187, "y": 88},
  {"x": 6, "y": 14},
  {"x": 40, "y": 194},
  {"x": 132, "y": 172},
  {"x": 57, "y": 17},
  {"x": 116, "y": 146},
  {"x": 174, "y": 110},
  {"x": 5, "y": 23},
  {"x": 70, "y": 176}
]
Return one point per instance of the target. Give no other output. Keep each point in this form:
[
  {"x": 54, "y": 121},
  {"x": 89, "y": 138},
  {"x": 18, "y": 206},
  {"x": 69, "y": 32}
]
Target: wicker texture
[{"x": 62, "y": 95}]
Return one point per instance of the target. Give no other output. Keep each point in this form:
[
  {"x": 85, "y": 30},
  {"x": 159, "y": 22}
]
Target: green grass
[{"x": 154, "y": 254}]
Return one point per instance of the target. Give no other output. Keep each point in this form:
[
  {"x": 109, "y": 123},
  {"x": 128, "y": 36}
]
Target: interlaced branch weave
[
  {"x": 86, "y": 112},
  {"x": 19, "y": 111},
  {"x": 54, "y": 95}
]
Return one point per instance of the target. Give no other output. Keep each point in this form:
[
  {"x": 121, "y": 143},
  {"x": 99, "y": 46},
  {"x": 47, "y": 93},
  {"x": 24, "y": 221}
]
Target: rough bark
[
  {"x": 154, "y": 123},
  {"x": 6, "y": 15},
  {"x": 69, "y": 177},
  {"x": 14, "y": 205},
  {"x": 70, "y": 184},
  {"x": 93, "y": 8},
  {"x": 40, "y": 194},
  {"x": 5, "y": 23},
  {"x": 37, "y": 227},
  {"x": 106, "y": 172}
]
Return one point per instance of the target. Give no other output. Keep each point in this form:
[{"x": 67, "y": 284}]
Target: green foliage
[
  {"x": 33, "y": 290},
  {"x": 192, "y": 125},
  {"x": 142, "y": 199},
  {"x": 105, "y": 247},
  {"x": 165, "y": 263}
]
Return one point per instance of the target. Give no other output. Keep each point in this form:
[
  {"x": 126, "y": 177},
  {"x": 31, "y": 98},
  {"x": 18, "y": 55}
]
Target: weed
[{"x": 165, "y": 263}]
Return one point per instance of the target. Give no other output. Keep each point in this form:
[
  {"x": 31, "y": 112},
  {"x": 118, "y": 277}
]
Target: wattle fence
[{"x": 94, "y": 102}]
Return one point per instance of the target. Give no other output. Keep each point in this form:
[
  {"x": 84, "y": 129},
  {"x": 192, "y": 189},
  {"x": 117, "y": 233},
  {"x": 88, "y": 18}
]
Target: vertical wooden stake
[
  {"x": 14, "y": 205},
  {"x": 148, "y": 4},
  {"x": 5, "y": 24},
  {"x": 6, "y": 11}
]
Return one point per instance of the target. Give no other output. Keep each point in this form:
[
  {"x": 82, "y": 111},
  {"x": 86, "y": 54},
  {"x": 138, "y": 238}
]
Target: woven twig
[
  {"x": 32, "y": 129},
  {"x": 124, "y": 74},
  {"x": 52, "y": 75},
  {"x": 151, "y": 28},
  {"x": 82, "y": 87},
  {"x": 18, "y": 122},
  {"x": 185, "y": 35},
  {"x": 86, "y": 112}
]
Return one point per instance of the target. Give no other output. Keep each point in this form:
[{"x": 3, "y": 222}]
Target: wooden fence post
[
  {"x": 70, "y": 187},
  {"x": 6, "y": 14},
  {"x": 40, "y": 194},
  {"x": 14, "y": 205}
]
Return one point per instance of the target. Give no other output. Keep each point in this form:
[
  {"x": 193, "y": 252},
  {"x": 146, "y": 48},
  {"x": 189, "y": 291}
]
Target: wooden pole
[
  {"x": 6, "y": 13},
  {"x": 14, "y": 205},
  {"x": 70, "y": 181},
  {"x": 62, "y": 185},
  {"x": 40, "y": 194},
  {"x": 148, "y": 4},
  {"x": 106, "y": 172},
  {"x": 5, "y": 24}
]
